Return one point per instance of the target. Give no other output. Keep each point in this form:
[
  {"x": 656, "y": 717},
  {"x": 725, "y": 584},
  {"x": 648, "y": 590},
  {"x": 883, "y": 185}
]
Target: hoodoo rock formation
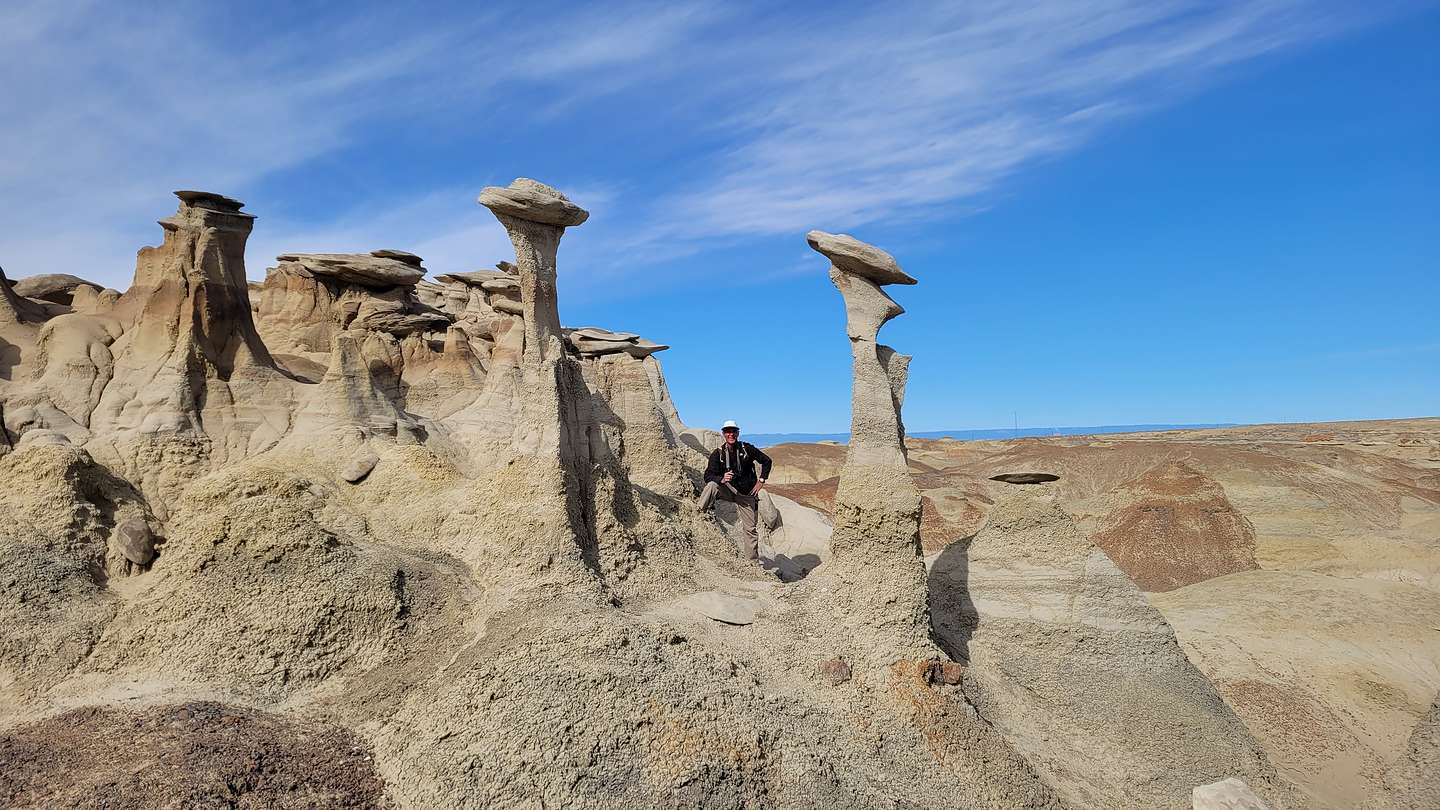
[
  {"x": 535, "y": 216},
  {"x": 876, "y": 541},
  {"x": 426, "y": 520}
]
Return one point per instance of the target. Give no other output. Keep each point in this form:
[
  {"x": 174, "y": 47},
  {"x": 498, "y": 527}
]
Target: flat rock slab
[
  {"x": 850, "y": 255},
  {"x": 50, "y": 285},
  {"x": 596, "y": 333},
  {"x": 1025, "y": 478},
  {"x": 398, "y": 255},
  {"x": 724, "y": 607},
  {"x": 358, "y": 268},
  {"x": 474, "y": 278},
  {"x": 211, "y": 200}
]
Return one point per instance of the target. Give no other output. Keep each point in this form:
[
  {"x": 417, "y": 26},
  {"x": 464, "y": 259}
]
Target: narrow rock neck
[{"x": 536, "y": 245}]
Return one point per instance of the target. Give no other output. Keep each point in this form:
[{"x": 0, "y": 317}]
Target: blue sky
[{"x": 1119, "y": 211}]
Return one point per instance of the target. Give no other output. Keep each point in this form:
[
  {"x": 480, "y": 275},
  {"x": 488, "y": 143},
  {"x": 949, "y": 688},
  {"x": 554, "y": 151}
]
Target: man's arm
[
  {"x": 712, "y": 470},
  {"x": 764, "y": 463}
]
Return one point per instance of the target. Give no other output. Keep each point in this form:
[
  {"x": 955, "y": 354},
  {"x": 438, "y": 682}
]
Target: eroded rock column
[
  {"x": 194, "y": 385},
  {"x": 876, "y": 542},
  {"x": 535, "y": 216}
]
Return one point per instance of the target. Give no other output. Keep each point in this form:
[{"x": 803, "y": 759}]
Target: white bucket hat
[{"x": 729, "y": 423}]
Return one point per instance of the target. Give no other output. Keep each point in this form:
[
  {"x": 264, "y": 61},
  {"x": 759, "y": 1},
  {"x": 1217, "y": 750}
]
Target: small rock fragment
[
  {"x": 834, "y": 671},
  {"x": 360, "y": 466},
  {"x": 948, "y": 673},
  {"x": 723, "y": 607}
]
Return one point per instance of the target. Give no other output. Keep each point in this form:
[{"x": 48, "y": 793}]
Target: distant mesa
[{"x": 1025, "y": 478}]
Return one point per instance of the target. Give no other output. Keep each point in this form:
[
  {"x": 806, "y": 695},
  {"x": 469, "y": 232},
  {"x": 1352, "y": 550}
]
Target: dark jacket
[{"x": 739, "y": 459}]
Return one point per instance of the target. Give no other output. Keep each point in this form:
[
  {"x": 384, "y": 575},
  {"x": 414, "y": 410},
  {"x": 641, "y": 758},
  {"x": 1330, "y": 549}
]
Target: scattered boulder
[
  {"x": 134, "y": 541},
  {"x": 360, "y": 466}
]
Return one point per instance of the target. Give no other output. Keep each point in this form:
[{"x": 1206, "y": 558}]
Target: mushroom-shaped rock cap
[
  {"x": 596, "y": 333},
  {"x": 853, "y": 256},
  {"x": 533, "y": 201},
  {"x": 212, "y": 201}
]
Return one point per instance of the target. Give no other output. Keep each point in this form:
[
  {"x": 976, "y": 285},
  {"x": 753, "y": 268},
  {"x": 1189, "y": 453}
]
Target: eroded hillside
[{"x": 1299, "y": 565}]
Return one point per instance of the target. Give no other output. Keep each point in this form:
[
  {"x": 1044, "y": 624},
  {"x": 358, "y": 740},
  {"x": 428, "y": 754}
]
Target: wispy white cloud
[
  {"x": 838, "y": 118},
  {"x": 906, "y": 109},
  {"x": 109, "y": 107}
]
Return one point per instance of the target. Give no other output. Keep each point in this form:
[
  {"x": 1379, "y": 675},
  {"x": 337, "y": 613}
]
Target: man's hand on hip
[{"x": 759, "y": 485}]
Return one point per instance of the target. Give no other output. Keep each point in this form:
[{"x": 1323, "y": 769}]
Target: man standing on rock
[{"x": 731, "y": 475}]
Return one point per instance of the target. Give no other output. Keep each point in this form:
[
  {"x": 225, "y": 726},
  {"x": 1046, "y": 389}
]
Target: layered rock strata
[
  {"x": 1413, "y": 782},
  {"x": 1049, "y": 627}
]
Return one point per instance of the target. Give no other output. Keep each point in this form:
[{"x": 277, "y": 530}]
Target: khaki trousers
[{"x": 744, "y": 505}]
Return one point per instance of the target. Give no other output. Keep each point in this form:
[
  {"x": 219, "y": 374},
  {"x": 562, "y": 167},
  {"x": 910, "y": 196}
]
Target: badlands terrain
[
  {"x": 352, "y": 536},
  {"x": 1299, "y": 565}
]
